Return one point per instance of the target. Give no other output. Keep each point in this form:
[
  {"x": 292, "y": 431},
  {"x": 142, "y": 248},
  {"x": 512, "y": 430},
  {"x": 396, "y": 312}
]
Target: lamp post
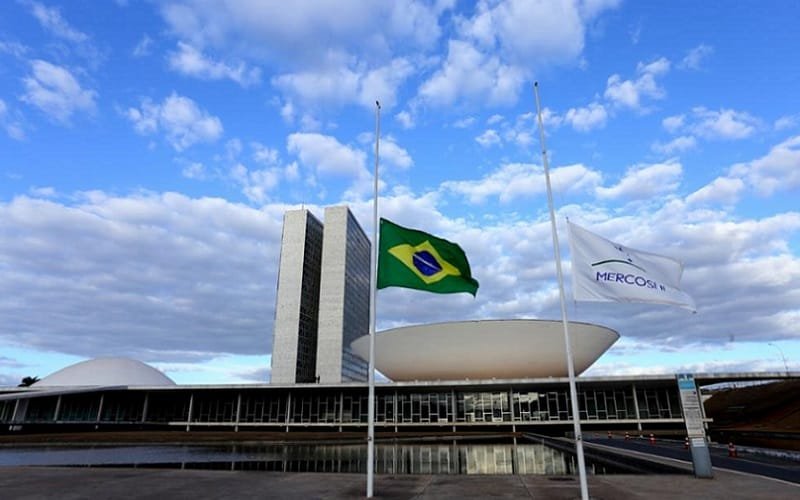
[{"x": 785, "y": 366}]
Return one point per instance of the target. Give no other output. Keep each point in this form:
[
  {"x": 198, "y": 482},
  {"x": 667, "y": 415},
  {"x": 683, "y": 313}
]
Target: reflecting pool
[{"x": 390, "y": 458}]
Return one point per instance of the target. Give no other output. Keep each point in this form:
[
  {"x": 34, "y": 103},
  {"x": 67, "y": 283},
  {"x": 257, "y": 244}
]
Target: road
[{"x": 762, "y": 465}]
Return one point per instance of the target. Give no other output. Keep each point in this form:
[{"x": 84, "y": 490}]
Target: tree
[{"x": 28, "y": 381}]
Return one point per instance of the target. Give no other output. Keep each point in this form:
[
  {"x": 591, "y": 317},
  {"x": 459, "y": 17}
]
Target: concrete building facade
[
  {"x": 344, "y": 297},
  {"x": 322, "y": 302},
  {"x": 294, "y": 340}
]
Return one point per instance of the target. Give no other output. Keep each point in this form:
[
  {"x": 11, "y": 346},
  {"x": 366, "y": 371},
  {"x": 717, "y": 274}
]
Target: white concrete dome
[
  {"x": 106, "y": 371},
  {"x": 486, "y": 349}
]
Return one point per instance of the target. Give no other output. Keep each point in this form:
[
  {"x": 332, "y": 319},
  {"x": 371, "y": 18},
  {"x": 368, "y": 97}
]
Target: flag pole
[
  {"x": 372, "y": 303},
  {"x": 573, "y": 391}
]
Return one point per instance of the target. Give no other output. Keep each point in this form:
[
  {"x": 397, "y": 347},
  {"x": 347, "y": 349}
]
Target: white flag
[{"x": 605, "y": 271}]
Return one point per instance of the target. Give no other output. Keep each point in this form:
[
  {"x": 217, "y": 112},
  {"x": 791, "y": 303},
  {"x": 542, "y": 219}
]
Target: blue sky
[{"x": 148, "y": 151}]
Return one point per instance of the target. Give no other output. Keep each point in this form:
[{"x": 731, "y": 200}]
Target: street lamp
[{"x": 785, "y": 366}]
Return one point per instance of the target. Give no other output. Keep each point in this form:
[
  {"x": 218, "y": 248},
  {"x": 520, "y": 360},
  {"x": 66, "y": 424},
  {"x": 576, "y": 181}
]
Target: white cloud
[
  {"x": 394, "y": 155},
  {"x": 525, "y": 31},
  {"x": 631, "y": 93},
  {"x": 787, "y": 122},
  {"x": 55, "y": 91},
  {"x": 464, "y": 122},
  {"x": 194, "y": 170},
  {"x": 143, "y": 46},
  {"x": 471, "y": 75},
  {"x": 179, "y": 118},
  {"x": 673, "y": 123},
  {"x": 551, "y": 119},
  {"x": 695, "y": 56},
  {"x": 288, "y": 112},
  {"x": 723, "y": 124},
  {"x": 676, "y": 145},
  {"x": 155, "y": 277},
  {"x": 256, "y": 184},
  {"x": 15, "y": 49},
  {"x": 515, "y": 180},
  {"x": 488, "y": 138},
  {"x": 12, "y": 127},
  {"x": 264, "y": 154},
  {"x": 588, "y": 118},
  {"x": 494, "y": 119},
  {"x": 405, "y": 119},
  {"x": 724, "y": 190},
  {"x": 302, "y": 35},
  {"x": 51, "y": 20},
  {"x": 43, "y": 192},
  {"x": 777, "y": 170},
  {"x": 190, "y": 61},
  {"x": 326, "y": 155},
  {"x": 645, "y": 181},
  {"x": 339, "y": 84}
]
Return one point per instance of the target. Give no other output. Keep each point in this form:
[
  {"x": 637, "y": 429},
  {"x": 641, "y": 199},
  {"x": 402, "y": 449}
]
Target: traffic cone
[
  {"x": 732, "y": 450},
  {"x": 686, "y": 443},
  {"x": 609, "y": 434},
  {"x": 652, "y": 438},
  {"x": 627, "y": 436}
]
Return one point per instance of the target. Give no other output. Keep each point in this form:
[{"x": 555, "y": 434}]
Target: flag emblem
[{"x": 424, "y": 261}]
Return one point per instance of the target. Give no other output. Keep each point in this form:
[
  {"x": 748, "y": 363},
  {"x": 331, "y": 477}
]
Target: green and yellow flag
[{"x": 414, "y": 259}]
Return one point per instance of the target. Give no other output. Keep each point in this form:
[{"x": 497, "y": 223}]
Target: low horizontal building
[{"x": 641, "y": 403}]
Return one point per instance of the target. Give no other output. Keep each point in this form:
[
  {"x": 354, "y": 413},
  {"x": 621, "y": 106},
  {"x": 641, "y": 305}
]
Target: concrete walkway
[{"x": 97, "y": 483}]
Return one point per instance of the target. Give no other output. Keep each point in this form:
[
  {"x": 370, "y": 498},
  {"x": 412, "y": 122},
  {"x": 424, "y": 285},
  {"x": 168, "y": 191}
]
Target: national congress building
[
  {"x": 497, "y": 375},
  {"x": 322, "y": 303}
]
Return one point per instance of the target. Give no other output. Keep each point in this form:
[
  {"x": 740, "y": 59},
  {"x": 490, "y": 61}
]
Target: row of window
[{"x": 346, "y": 407}]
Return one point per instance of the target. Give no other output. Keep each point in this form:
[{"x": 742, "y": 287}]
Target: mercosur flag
[
  {"x": 414, "y": 259},
  {"x": 605, "y": 271}
]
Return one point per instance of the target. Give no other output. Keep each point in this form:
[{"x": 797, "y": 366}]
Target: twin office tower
[{"x": 323, "y": 298}]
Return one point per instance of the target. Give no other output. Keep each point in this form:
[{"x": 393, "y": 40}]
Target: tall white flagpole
[
  {"x": 573, "y": 391},
  {"x": 372, "y": 298}
]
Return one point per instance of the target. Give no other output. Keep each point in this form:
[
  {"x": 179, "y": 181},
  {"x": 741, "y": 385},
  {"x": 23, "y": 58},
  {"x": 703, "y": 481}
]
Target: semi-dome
[
  {"x": 485, "y": 349},
  {"x": 106, "y": 371}
]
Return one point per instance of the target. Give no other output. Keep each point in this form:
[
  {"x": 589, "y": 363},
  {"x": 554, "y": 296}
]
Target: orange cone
[
  {"x": 652, "y": 438},
  {"x": 686, "y": 443},
  {"x": 731, "y": 450}
]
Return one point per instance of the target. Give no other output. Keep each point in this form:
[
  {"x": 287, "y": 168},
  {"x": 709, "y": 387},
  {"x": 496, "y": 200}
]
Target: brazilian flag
[{"x": 414, "y": 259}]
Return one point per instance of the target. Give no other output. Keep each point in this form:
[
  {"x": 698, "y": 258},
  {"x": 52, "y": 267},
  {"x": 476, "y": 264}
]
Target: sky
[{"x": 148, "y": 152}]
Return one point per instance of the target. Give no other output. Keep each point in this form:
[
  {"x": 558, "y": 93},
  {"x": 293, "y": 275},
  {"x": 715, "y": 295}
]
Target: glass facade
[
  {"x": 342, "y": 406},
  {"x": 306, "y": 369},
  {"x": 356, "y": 299},
  {"x": 396, "y": 406}
]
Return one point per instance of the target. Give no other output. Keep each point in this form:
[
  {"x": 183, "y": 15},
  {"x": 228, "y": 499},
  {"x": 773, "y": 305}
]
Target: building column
[
  {"x": 99, "y": 410},
  {"x": 455, "y": 409},
  {"x": 341, "y": 409},
  {"x": 144, "y": 406},
  {"x": 58, "y": 409},
  {"x": 636, "y": 409},
  {"x": 288, "y": 410},
  {"x": 238, "y": 411},
  {"x": 191, "y": 408}
]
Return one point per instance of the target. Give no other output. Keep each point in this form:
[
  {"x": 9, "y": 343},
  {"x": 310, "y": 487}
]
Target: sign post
[{"x": 695, "y": 430}]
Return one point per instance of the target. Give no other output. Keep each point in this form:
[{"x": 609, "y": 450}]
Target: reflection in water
[{"x": 390, "y": 458}]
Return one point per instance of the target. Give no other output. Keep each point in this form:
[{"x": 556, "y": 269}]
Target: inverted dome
[
  {"x": 486, "y": 349},
  {"x": 106, "y": 371}
]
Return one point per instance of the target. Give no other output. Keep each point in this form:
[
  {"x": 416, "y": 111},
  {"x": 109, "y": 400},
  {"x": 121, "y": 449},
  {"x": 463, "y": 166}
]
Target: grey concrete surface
[{"x": 85, "y": 483}]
